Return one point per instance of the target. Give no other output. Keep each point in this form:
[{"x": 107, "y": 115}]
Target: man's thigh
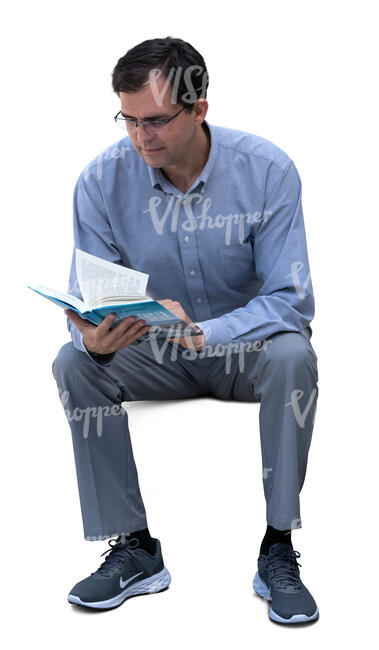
[
  {"x": 232, "y": 376},
  {"x": 159, "y": 370}
]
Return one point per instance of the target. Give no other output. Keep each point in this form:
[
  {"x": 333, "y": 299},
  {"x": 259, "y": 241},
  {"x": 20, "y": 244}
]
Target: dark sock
[
  {"x": 145, "y": 540},
  {"x": 272, "y": 536}
]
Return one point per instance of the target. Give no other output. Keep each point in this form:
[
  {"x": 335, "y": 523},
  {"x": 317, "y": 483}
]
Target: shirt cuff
[{"x": 215, "y": 331}]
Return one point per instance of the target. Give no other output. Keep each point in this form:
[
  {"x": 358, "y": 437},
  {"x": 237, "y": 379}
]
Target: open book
[{"x": 111, "y": 288}]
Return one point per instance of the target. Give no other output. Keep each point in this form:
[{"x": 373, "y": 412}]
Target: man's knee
[
  {"x": 67, "y": 358},
  {"x": 291, "y": 348}
]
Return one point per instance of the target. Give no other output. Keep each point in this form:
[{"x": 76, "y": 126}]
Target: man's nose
[{"x": 142, "y": 135}]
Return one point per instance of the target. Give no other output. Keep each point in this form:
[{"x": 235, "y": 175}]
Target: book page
[
  {"x": 59, "y": 295},
  {"x": 119, "y": 300},
  {"x": 100, "y": 278}
]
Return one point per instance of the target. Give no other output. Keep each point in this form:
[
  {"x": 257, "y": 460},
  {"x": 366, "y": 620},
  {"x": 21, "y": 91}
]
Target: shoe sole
[
  {"x": 154, "y": 584},
  {"x": 262, "y": 590}
]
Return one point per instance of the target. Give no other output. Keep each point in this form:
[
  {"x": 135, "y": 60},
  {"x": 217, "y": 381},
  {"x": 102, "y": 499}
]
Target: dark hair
[{"x": 172, "y": 57}]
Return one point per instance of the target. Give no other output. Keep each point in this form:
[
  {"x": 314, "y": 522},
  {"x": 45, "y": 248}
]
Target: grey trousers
[{"x": 281, "y": 375}]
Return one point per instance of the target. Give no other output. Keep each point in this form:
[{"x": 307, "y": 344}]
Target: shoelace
[
  {"x": 117, "y": 554},
  {"x": 283, "y": 565}
]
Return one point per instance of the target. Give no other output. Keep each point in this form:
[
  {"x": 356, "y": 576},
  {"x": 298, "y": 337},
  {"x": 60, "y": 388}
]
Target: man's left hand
[{"x": 190, "y": 342}]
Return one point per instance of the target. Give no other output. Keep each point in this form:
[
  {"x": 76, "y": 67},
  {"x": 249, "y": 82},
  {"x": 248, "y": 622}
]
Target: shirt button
[
  {"x": 192, "y": 272},
  {"x": 198, "y": 300},
  {"x": 186, "y": 238}
]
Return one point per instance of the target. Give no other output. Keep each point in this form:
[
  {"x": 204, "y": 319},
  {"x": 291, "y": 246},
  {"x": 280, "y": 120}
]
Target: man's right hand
[{"x": 101, "y": 340}]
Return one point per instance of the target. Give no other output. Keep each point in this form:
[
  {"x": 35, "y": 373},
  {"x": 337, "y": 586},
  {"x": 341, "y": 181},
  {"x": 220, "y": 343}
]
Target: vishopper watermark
[
  {"x": 300, "y": 287},
  {"x": 110, "y": 154},
  {"x": 169, "y": 215},
  {"x": 173, "y": 79},
  {"x": 226, "y": 351},
  {"x": 84, "y": 415},
  {"x": 301, "y": 417}
]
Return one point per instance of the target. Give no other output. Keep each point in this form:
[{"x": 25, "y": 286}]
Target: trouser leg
[
  {"x": 286, "y": 384},
  {"x": 283, "y": 377},
  {"x": 110, "y": 498}
]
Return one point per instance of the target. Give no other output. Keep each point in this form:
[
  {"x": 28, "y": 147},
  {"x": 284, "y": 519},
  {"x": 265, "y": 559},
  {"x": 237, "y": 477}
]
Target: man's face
[{"x": 169, "y": 145}]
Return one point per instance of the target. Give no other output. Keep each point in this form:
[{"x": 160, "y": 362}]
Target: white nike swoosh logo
[{"x": 123, "y": 583}]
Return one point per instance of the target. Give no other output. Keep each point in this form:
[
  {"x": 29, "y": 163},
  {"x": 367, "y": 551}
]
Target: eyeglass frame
[{"x": 147, "y": 122}]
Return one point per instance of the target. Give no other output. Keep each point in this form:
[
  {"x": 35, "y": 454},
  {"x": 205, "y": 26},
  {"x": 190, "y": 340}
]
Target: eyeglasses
[{"x": 151, "y": 126}]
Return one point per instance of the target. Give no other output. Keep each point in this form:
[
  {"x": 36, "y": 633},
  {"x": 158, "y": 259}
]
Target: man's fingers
[
  {"x": 106, "y": 323},
  {"x": 122, "y": 326},
  {"x": 71, "y": 314},
  {"x": 128, "y": 326},
  {"x": 81, "y": 323},
  {"x": 127, "y": 331},
  {"x": 131, "y": 325}
]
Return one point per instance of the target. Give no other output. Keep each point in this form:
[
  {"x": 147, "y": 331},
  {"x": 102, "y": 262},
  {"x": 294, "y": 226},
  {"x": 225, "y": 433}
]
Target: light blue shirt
[{"x": 232, "y": 249}]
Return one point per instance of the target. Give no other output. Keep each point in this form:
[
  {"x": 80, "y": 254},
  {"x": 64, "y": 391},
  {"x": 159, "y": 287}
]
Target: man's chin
[{"x": 154, "y": 161}]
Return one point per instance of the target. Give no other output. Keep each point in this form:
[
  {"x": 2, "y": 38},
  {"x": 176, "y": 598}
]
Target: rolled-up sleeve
[
  {"x": 285, "y": 301},
  {"x": 92, "y": 234}
]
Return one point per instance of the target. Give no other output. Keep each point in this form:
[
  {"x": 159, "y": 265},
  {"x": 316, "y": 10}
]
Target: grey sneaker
[
  {"x": 278, "y": 580},
  {"x": 127, "y": 571}
]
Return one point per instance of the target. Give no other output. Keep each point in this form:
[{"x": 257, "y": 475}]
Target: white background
[{"x": 304, "y": 76}]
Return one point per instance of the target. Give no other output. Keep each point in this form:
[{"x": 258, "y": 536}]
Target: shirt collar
[{"x": 159, "y": 180}]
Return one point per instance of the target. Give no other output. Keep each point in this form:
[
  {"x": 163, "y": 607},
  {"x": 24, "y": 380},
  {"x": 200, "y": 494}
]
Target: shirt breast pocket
[{"x": 236, "y": 264}]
